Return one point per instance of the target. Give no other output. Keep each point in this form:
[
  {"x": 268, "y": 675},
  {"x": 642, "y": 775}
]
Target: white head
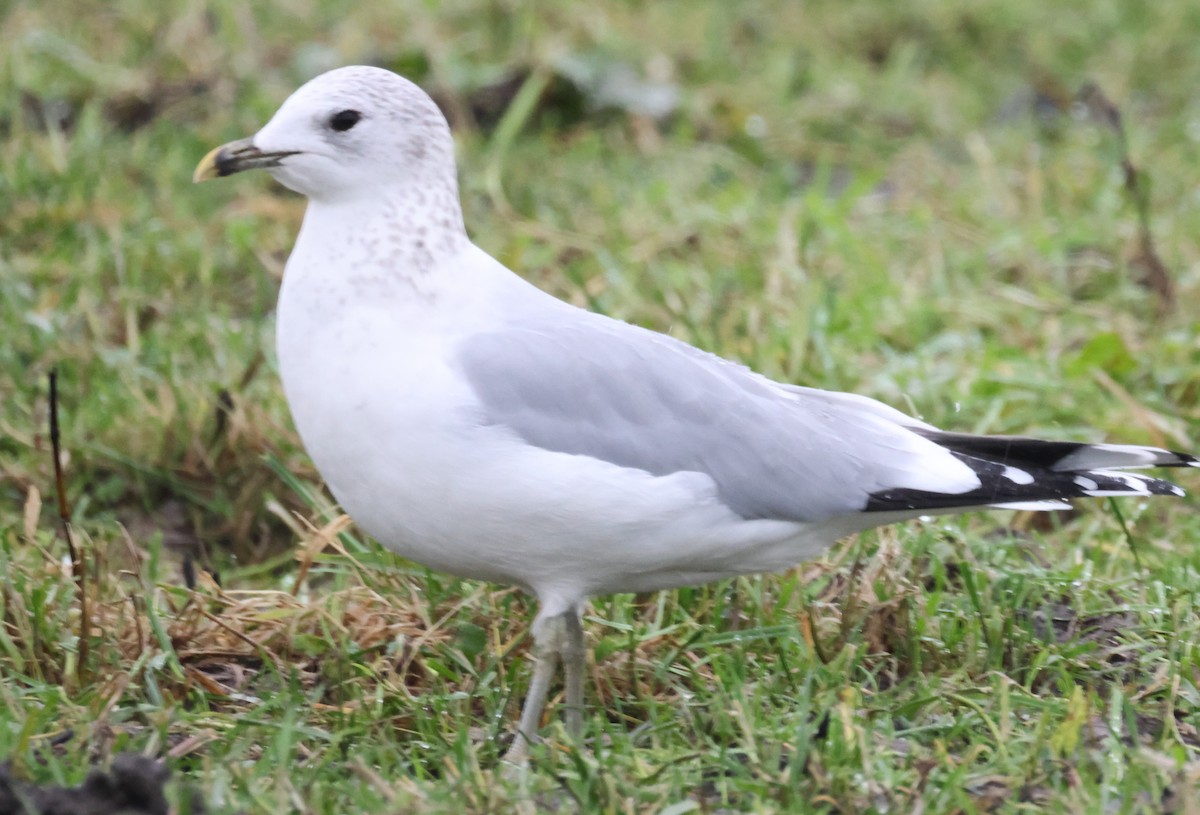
[{"x": 351, "y": 132}]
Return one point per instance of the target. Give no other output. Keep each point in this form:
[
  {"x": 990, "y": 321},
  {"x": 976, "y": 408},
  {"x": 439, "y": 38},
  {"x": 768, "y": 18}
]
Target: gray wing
[{"x": 579, "y": 383}]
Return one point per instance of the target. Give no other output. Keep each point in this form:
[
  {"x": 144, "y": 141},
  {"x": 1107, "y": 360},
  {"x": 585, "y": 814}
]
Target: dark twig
[
  {"x": 1154, "y": 273},
  {"x": 78, "y": 568}
]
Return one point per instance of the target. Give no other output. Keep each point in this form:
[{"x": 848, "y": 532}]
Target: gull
[{"x": 477, "y": 425}]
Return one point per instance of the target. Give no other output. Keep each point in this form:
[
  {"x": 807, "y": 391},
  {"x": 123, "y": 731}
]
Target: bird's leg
[
  {"x": 574, "y": 659},
  {"x": 546, "y": 647},
  {"x": 554, "y": 638}
]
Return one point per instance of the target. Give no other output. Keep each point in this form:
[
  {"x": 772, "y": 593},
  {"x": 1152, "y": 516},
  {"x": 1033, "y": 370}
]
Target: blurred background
[{"x": 984, "y": 213}]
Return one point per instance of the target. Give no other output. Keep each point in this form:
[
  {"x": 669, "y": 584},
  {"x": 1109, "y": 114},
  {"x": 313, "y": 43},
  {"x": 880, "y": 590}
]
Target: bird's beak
[{"x": 234, "y": 157}]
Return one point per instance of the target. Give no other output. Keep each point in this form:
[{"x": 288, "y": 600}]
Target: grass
[{"x": 901, "y": 200}]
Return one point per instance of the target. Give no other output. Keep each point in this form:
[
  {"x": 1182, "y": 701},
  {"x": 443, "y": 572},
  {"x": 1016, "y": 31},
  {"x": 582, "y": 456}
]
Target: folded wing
[{"x": 602, "y": 388}]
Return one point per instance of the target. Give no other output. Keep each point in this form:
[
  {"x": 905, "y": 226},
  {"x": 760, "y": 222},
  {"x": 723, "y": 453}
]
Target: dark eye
[{"x": 343, "y": 120}]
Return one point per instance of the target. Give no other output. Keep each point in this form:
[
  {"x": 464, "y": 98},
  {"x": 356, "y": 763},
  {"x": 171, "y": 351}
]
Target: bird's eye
[{"x": 343, "y": 120}]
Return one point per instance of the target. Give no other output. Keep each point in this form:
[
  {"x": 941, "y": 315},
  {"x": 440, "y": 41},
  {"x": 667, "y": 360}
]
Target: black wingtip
[{"x": 1007, "y": 484}]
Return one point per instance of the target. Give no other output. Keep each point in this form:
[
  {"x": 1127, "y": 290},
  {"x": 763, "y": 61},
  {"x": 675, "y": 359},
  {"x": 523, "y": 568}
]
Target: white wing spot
[
  {"x": 1135, "y": 483},
  {"x": 1017, "y": 475}
]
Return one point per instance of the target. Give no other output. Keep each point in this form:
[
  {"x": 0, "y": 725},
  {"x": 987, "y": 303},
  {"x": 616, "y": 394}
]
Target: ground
[{"x": 984, "y": 213}]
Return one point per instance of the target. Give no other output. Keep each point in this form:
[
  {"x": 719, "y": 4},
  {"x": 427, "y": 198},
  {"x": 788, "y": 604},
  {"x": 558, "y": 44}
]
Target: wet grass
[{"x": 908, "y": 201}]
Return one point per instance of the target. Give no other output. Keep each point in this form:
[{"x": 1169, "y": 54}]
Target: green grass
[{"x": 895, "y": 199}]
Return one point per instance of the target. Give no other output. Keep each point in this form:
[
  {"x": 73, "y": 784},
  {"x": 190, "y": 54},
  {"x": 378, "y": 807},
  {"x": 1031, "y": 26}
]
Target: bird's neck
[{"x": 392, "y": 241}]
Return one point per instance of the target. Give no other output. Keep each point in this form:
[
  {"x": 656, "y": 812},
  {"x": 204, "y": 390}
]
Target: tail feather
[{"x": 1017, "y": 472}]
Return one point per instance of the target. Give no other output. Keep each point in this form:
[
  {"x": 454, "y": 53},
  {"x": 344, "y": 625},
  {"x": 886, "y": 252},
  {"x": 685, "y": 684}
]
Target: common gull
[{"x": 477, "y": 425}]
